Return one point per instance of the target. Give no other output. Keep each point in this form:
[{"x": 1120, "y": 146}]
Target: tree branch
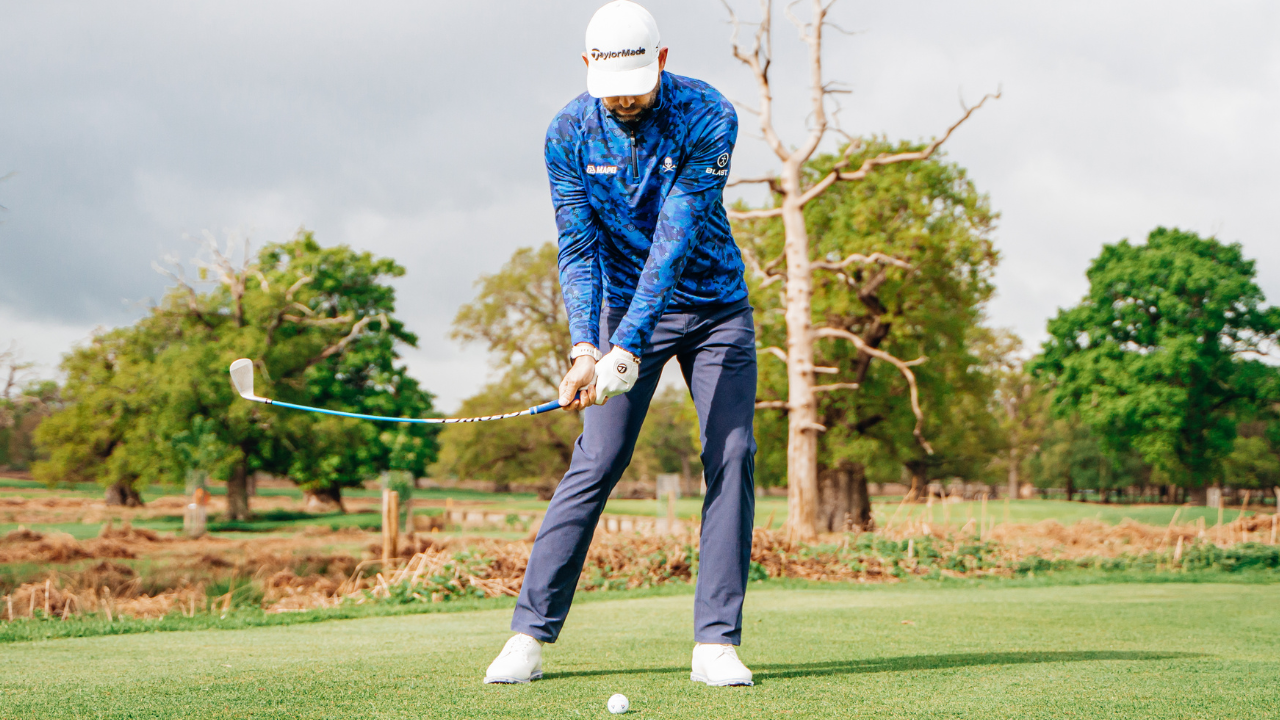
[
  {"x": 840, "y": 29},
  {"x": 924, "y": 154},
  {"x": 875, "y": 257},
  {"x": 766, "y": 271},
  {"x": 180, "y": 278},
  {"x": 886, "y": 159},
  {"x": 775, "y": 351},
  {"x": 320, "y": 322},
  {"x": 228, "y": 275},
  {"x": 288, "y": 296},
  {"x": 817, "y": 89},
  {"x": 758, "y": 60},
  {"x": 903, "y": 367},
  {"x": 835, "y": 386},
  {"x": 747, "y": 181},
  {"x": 867, "y": 293},
  {"x": 772, "y": 405},
  {"x": 344, "y": 342},
  {"x": 755, "y": 214}
]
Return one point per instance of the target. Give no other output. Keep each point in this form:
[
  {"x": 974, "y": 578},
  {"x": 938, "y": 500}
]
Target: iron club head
[{"x": 242, "y": 379}]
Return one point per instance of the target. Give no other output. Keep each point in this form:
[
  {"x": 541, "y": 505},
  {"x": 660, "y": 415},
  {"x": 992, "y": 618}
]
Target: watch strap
[{"x": 582, "y": 349}]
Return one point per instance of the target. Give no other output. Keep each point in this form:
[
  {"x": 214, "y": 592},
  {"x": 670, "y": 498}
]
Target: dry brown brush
[{"x": 218, "y": 575}]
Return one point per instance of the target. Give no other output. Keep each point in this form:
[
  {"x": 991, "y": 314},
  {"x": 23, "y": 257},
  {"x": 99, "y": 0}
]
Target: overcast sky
[{"x": 414, "y": 129}]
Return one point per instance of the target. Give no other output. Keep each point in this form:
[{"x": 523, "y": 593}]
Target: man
[{"x": 638, "y": 167}]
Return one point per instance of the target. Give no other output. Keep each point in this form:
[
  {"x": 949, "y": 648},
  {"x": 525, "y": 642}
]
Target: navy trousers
[{"x": 717, "y": 355}]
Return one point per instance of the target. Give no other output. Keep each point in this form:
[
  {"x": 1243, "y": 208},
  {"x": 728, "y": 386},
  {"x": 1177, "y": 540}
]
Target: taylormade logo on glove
[{"x": 616, "y": 374}]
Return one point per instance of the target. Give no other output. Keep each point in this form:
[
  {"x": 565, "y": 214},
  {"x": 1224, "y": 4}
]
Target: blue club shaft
[{"x": 535, "y": 410}]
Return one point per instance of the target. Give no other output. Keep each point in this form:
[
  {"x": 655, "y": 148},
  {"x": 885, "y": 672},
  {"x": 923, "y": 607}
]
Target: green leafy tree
[
  {"x": 152, "y": 402},
  {"x": 906, "y": 270},
  {"x": 105, "y": 396},
  {"x": 1160, "y": 357},
  {"x": 1071, "y": 457},
  {"x": 1254, "y": 461}
]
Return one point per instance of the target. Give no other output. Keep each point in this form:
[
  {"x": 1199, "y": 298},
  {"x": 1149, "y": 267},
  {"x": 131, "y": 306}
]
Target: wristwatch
[{"x": 584, "y": 349}]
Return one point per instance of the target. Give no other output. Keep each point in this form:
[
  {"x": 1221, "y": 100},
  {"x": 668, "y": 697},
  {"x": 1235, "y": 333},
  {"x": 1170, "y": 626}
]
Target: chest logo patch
[
  {"x": 602, "y": 169},
  {"x": 667, "y": 165}
]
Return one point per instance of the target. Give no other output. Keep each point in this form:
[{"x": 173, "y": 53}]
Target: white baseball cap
[{"x": 622, "y": 51}]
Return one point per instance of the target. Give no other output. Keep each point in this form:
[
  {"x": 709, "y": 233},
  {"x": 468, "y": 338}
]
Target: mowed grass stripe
[{"x": 1152, "y": 651}]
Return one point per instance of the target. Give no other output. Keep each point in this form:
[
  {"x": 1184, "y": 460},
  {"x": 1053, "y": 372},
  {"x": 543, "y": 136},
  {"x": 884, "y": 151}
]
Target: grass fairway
[{"x": 1096, "y": 651}]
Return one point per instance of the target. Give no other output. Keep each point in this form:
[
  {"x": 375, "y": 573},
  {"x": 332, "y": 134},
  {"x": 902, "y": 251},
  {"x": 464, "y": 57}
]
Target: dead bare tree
[
  {"x": 797, "y": 277},
  {"x": 14, "y": 370}
]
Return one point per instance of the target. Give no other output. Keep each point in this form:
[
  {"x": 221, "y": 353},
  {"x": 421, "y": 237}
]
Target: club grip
[{"x": 545, "y": 407}]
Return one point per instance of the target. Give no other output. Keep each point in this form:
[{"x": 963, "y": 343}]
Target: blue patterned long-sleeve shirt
[{"x": 640, "y": 210}]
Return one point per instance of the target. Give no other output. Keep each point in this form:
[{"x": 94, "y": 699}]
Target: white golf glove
[{"x": 616, "y": 373}]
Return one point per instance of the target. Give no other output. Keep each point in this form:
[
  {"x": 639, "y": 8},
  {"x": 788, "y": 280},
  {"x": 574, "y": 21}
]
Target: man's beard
[
  {"x": 632, "y": 119},
  {"x": 646, "y": 107}
]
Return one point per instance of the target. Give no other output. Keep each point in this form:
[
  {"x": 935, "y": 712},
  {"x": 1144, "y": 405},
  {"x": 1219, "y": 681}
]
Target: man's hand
[
  {"x": 616, "y": 373},
  {"x": 577, "y": 389}
]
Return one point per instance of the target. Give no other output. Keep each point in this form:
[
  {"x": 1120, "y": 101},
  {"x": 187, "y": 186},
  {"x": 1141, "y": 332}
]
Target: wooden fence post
[
  {"x": 390, "y": 526},
  {"x": 395, "y": 523}
]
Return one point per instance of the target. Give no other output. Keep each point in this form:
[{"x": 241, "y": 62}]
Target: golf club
[{"x": 242, "y": 379}]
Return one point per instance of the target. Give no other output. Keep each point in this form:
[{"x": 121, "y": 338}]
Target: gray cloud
[{"x": 414, "y": 130}]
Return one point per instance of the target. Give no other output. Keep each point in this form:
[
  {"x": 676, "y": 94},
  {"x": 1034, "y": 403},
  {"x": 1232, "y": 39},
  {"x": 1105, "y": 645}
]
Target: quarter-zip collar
[{"x": 632, "y": 132}]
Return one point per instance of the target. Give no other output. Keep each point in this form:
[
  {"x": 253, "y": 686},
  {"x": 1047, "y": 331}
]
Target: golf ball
[{"x": 618, "y": 704}]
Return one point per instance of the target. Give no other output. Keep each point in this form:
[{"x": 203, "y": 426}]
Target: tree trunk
[
  {"x": 1199, "y": 496},
  {"x": 833, "y": 500},
  {"x": 1013, "y": 473},
  {"x": 238, "y": 493},
  {"x": 802, "y": 411},
  {"x": 860, "y": 499},
  {"x": 918, "y": 471},
  {"x": 122, "y": 493},
  {"x": 333, "y": 493},
  {"x": 843, "y": 501},
  {"x": 1070, "y": 488}
]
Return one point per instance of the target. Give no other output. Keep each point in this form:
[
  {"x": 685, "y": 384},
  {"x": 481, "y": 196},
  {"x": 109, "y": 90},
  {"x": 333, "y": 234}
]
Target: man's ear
[
  {"x": 662, "y": 59},
  {"x": 588, "y": 63}
]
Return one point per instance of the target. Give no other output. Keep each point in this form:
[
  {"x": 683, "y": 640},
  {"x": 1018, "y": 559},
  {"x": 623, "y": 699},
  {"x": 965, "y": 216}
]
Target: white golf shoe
[
  {"x": 718, "y": 665},
  {"x": 519, "y": 662}
]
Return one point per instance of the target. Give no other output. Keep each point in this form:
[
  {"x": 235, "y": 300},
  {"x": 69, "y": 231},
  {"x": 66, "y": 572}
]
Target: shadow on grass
[{"x": 774, "y": 671}]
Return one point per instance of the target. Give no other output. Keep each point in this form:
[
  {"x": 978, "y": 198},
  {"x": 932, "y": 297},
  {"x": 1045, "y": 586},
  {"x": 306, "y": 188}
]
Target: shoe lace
[
  {"x": 723, "y": 650},
  {"x": 521, "y": 644}
]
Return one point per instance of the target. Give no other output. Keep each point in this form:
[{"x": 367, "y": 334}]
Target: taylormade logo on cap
[
  {"x": 597, "y": 54},
  {"x": 622, "y": 46}
]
